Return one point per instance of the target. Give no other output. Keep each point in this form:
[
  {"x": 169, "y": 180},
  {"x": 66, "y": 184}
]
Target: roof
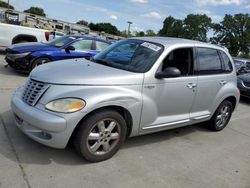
[{"x": 168, "y": 41}]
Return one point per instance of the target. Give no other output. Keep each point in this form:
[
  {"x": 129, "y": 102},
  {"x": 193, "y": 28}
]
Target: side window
[
  {"x": 209, "y": 61},
  {"x": 101, "y": 45},
  {"x": 181, "y": 59},
  {"x": 83, "y": 45},
  {"x": 227, "y": 63}
]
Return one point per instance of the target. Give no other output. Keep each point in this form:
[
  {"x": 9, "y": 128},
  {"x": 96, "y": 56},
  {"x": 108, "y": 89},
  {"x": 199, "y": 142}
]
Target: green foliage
[
  {"x": 196, "y": 27},
  {"x": 247, "y": 56},
  {"x": 150, "y": 33},
  {"x": 36, "y": 10},
  {"x": 234, "y": 33},
  {"x": 104, "y": 27},
  {"x": 140, "y": 34},
  {"x": 172, "y": 27},
  {"x": 82, "y": 22},
  {"x": 5, "y": 5}
]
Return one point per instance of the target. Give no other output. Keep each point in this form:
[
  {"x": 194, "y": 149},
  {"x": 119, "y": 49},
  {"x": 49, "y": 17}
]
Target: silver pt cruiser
[{"x": 136, "y": 86}]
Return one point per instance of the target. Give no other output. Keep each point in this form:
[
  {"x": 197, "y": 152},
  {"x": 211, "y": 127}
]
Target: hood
[
  {"x": 244, "y": 77},
  {"x": 84, "y": 72},
  {"x": 30, "y": 47}
]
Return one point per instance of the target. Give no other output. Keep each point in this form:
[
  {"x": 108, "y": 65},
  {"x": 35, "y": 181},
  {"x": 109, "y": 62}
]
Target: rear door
[{"x": 211, "y": 78}]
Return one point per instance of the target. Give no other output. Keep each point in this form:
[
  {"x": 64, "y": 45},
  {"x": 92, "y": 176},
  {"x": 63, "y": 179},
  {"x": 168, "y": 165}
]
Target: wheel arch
[
  {"x": 121, "y": 110},
  {"x": 29, "y": 38},
  {"x": 36, "y": 58}
]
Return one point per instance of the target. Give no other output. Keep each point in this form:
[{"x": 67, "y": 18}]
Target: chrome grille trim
[{"x": 33, "y": 91}]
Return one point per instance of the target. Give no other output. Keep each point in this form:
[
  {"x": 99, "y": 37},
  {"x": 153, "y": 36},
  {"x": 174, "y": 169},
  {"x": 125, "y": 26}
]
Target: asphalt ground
[{"x": 185, "y": 157}]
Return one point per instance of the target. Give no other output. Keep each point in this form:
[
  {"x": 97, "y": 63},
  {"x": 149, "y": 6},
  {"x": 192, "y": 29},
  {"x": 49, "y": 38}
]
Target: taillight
[{"x": 47, "y": 36}]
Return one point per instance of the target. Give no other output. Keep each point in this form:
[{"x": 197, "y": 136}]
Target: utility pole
[{"x": 129, "y": 23}]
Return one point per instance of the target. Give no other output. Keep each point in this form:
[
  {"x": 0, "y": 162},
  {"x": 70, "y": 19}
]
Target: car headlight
[
  {"x": 66, "y": 105},
  {"x": 19, "y": 55}
]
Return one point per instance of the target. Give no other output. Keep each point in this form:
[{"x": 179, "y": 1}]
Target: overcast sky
[{"x": 145, "y": 14}]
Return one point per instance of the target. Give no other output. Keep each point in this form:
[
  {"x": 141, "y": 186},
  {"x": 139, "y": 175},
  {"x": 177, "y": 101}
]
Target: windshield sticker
[{"x": 151, "y": 46}]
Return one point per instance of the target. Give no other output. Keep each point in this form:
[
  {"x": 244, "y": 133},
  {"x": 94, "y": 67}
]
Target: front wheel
[
  {"x": 221, "y": 116},
  {"x": 38, "y": 62},
  {"x": 101, "y": 135}
]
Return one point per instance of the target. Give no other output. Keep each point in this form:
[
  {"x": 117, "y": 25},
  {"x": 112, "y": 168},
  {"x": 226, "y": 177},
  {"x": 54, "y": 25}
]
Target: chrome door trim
[{"x": 166, "y": 124}]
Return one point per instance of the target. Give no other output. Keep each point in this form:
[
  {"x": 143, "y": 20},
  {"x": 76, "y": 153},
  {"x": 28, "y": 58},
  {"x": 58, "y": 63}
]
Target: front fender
[{"x": 128, "y": 97}]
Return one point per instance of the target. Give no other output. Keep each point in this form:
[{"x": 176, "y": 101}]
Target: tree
[
  {"x": 5, "y": 5},
  {"x": 139, "y": 34},
  {"x": 105, "y": 27},
  {"x": 172, "y": 27},
  {"x": 196, "y": 26},
  {"x": 35, "y": 10},
  {"x": 234, "y": 33},
  {"x": 82, "y": 22},
  {"x": 150, "y": 32}
]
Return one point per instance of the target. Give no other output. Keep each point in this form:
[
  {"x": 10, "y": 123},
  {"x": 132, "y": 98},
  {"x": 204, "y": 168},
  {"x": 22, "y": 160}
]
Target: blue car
[{"x": 26, "y": 56}]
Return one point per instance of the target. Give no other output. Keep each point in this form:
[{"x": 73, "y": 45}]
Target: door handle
[
  {"x": 191, "y": 85},
  {"x": 223, "y": 82}
]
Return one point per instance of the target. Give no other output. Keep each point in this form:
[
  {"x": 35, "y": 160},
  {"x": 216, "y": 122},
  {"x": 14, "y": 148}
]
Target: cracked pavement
[{"x": 185, "y": 157}]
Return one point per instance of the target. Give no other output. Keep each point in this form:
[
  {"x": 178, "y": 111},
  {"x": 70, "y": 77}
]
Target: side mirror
[
  {"x": 169, "y": 72},
  {"x": 69, "y": 48}
]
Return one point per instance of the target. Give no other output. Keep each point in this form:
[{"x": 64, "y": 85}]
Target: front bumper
[
  {"x": 41, "y": 126},
  {"x": 21, "y": 64}
]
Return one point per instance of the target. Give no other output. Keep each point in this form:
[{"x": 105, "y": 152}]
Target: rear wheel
[
  {"x": 38, "y": 62},
  {"x": 101, "y": 135},
  {"x": 221, "y": 116}
]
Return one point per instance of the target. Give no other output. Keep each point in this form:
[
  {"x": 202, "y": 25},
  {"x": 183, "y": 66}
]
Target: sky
[{"x": 145, "y": 14}]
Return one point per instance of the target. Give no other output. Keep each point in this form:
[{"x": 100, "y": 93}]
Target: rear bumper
[{"x": 41, "y": 126}]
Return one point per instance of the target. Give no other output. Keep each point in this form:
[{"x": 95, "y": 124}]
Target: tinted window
[
  {"x": 83, "y": 45},
  {"x": 181, "y": 59},
  {"x": 101, "y": 45},
  {"x": 209, "y": 61},
  {"x": 227, "y": 63},
  {"x": 131, "y": 55}
]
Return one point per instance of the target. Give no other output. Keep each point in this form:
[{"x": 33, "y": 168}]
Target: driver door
[{"x": 167, "y": 102}]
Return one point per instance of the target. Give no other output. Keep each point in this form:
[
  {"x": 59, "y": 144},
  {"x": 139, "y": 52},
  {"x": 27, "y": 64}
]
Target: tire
[
  {"x": 38, "y": 62},
  {"x": 101, "y": 135},
  {"x": 221, "y": 116}
]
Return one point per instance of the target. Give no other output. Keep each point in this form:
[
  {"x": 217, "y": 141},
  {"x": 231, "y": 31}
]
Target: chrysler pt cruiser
[{"x": 134, "y": 87}]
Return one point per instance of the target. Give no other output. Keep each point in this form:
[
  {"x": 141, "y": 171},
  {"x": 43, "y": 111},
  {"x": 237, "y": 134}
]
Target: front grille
[
  {"x": 247, "y": 84},
  {"x": 33, "y": 91}
]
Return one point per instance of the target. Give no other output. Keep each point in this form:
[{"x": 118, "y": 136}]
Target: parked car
[
  {"x": 244, "y": 84},
  {"x": 243, "y": 71},
  {"x": 136, "y": 86},
  {"x": 13, "y": 34},
  {"x": 25, "y": 57},
  {"x": 242, "y": 65}
]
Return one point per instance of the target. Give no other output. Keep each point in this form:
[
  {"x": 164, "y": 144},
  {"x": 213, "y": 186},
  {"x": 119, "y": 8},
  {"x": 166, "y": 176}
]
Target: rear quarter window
[
  {"x": 209, "y": 61},
  {"x": 227, "y": 62}
]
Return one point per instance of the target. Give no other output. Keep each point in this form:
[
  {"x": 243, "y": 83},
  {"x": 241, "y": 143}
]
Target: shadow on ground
[
  {"x": 31, "y": 152},
  {"x": 245, "y": 100},
  {"x": 6, "y": 70}
]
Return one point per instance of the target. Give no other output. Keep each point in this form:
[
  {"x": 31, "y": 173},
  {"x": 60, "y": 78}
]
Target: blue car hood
[{"x": 31, "y": 47}]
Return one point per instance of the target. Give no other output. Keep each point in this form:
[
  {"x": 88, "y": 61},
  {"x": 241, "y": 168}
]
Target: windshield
[
  {"x": 61, "y": 41},
  {"x": 131, "y": 55}
]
